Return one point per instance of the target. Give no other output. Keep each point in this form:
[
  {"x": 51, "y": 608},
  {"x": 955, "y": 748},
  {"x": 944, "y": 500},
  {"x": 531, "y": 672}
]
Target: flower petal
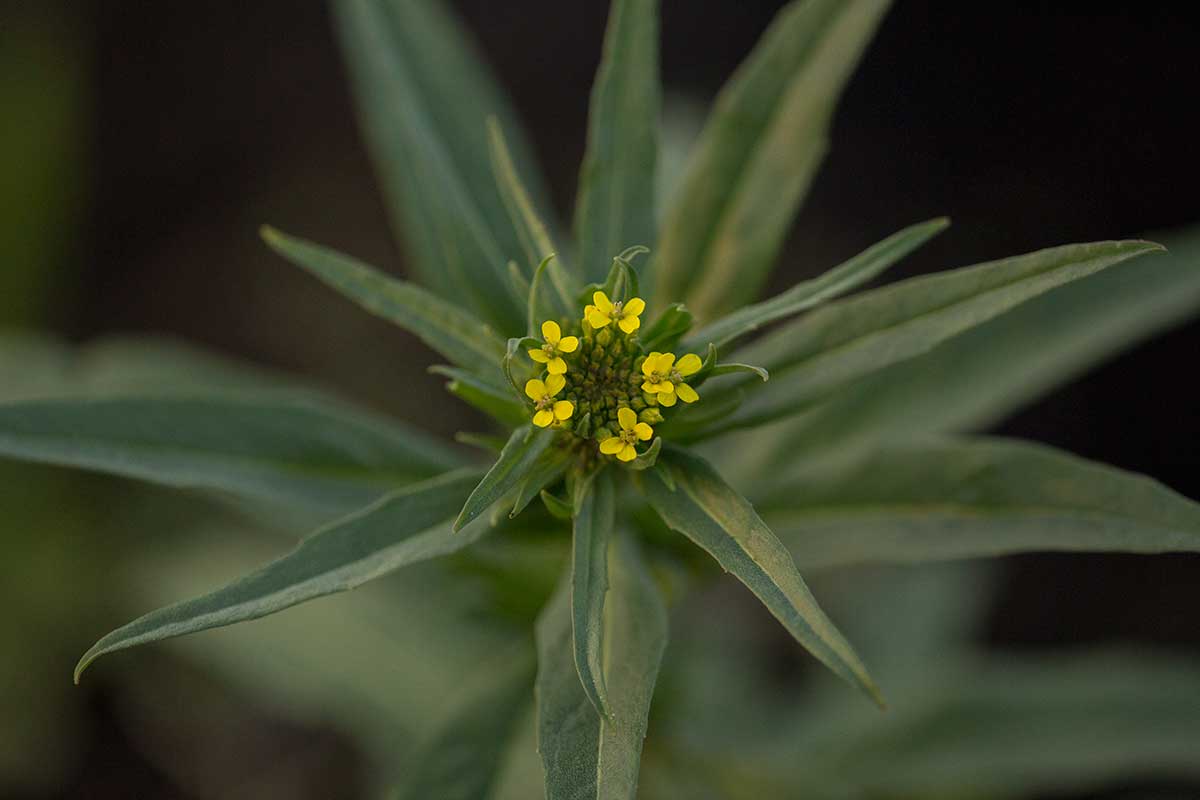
[
  {"x": 650, "y": 363},
  {"x": 643, "y": 431},
  {"x": 628, "y": 453},
  {"x": 597, "y": 318},
  {"x": 635, "y": 306},
  {"x": 535, "y": 389},
  {"x": 568, "y": 344},
  {"x": 556, "y": 366},
  {"x": 627, "y": 418},
  {"x": 612, "y": 446},
  {"x": 686, "y": 393},
  {"x": 602, "y": 302},
  {"x": 665, "y": 362},
  {"x": 689, "y": 364},
  {"x": 539, "y": 355},
  {"x": 666, "y": 399},
  {"x": 650, "y": 388},
  {"x": 563, "y": 409},
  {"x": 543, "y": 418},
  {"x": 554, "y": 384},
  {"x": 666, "y": 387},
  {"x": 629, "y": 324},
  {"x": 551, "y": 332}
]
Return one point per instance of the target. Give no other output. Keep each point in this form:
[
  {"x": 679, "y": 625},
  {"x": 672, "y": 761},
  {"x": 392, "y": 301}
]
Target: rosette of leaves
[{"x": 850, "y": 452}]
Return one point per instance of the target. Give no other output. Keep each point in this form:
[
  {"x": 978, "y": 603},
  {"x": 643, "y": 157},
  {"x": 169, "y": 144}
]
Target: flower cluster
[{"x": 601, "y": 385}]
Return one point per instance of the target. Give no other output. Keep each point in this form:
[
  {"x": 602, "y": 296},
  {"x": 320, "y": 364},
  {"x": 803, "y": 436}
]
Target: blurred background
[{"x": 144, "y": 143}]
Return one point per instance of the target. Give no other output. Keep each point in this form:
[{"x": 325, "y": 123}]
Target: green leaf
[
  {"x": 544, "y": 303},
  {"x": 456, "y": 334},
  {"x": 720, "y": 521},
  {"x": 843, "y": 278},
  {"x": 517, "y": 460},
  {"x": 615, "y": 204},
  {"x": 976, "y": 379},
  {"x": 733, "y": 368},
  {"x": 494, "y": 401},
  {"x": 758, "y": 154},
  {"x": 405, "y": 527},
  {"x": 536, "y": 242},
  {"x": 648, "y": 458},
  {"x": 847, "y": 339},
  {"x": 558, "y": 508},
  {"x": 957, "y": 498},
  {"x": 424, "y": 98},
  {"x": 595, "y": 514},
  {"x": 1022, "y": 726},
  {"x": 462, "y": 759},
  {"x": 295, "y": 449},
  {"x": 549, "y": 468},
  {"x": 667, "y": 330},
  {"x": 587, "y": 756}
]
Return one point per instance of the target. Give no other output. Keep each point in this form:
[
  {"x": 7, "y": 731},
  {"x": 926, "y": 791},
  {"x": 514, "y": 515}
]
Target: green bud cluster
[{"x": 605, "y": 376}]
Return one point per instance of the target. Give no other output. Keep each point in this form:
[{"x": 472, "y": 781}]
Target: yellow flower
[
  {"x": 555, "y": 343},
  {"x": 688, "y": 365},
  {"x": 632, "y": 431},
  {"x": 547, "y": 409},
  {"x": 605, "y": 311},
  {"x": 657, "y": 371}
]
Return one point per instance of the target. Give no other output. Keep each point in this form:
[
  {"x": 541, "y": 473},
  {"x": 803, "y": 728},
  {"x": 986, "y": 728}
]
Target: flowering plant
[{"x": 607, "y": 376}]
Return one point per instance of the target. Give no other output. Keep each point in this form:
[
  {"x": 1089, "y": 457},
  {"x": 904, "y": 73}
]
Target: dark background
[{"x": 1030, "y": 124}]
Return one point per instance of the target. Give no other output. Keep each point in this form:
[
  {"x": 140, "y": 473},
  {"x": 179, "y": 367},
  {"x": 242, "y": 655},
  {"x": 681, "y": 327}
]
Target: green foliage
[
  {"x": 615, "y": 207},
  {"x": 758, "y": 154},
  {"x": 854, "y": 456},
  {"x": 586, "y": 754}
]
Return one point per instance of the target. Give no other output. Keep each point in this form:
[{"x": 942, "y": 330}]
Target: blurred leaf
[
  {"x": 497, "y": 402},
  {"x": 462, "y": 757},
  {"x": 958, "y": 498},
  {"x": 292, "y": 449},
  {"x": 615, "y": 205},
  {"x": 976, "y": 379},
  {"x": 403, "y": 528},
  {"x": 584, "y": 754},
  {"x": 538, "y": 247},
  {"x": 847, "y": 339},
  {"x": 451, "y": 331},
  {"x": 758, "y": 154},
  {"x": 424, "y": 98},
  {"x": 517, "y": 459},
  {"x": 666, "y": 331},
  {"x": 595, "y": 515},
  {"x": 1009, "y": 727},
  {"x": 520, "y": 775},
  {"x": 695, "y": 501},
  {"x": 843, "y": 278}
]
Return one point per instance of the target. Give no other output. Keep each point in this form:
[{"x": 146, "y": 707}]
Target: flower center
[
  {"x": 617, "y": 306},
  {"x": 629, "y": 437},
  {"x": 543, "y": 401},
  {"x": 656, "y": 377},
  {"x": 550, "y": 350}
]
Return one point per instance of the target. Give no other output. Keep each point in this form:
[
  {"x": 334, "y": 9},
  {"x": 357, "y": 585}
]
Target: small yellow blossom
[
  {"x": 632, "y": 431},
  {"x": 547, "y": 410},
  {"x": 688, "y": 365},
  {"x": 624, "y": 314},
  {"x": 555, "y": 343},
  {"x": 657, "y": 371}
]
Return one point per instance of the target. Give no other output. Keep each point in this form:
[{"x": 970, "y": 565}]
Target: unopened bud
[{"x": 651, "y": 416}]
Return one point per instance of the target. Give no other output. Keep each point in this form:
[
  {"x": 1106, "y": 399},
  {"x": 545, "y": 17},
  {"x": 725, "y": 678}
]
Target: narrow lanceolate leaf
[
  {"x": 462, "y": 760},
  {"x": 406, "y": 527},
  {"x": 518, "y": 458},
  {"x": 423, "y": 99},
  {"x": 446, "y": 328},
  {"x": 587, "y": 756},
  {"x": 976, "y": 379},
  {"x": 704, "y": 508},
  {"x": 536, "y": 243},
  {"x": 758, "y": 154},
  {"x": 595, "y": 512},
  {"x": 850, "y": 338},
  {"x": 497, "y": 402},
  {"x": 843, "y": 278},
  {"x": 959, "y": 498},
  {"x": 615, "y": 206},
  {"x": 290, "y": 448},
  {"x": 550, "y": 466}
]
